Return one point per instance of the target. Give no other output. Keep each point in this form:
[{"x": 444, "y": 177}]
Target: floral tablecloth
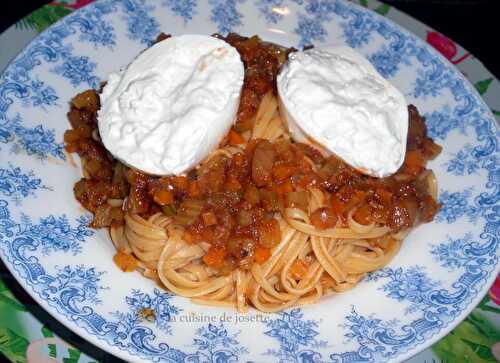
[{"x": 27, "y": 332}]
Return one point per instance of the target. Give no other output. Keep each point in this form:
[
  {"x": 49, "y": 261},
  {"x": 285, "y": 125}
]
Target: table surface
[{"x": 29, "y": 334}]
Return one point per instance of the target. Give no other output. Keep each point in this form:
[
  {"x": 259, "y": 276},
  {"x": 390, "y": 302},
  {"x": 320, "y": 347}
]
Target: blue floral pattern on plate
[
  {"x": 455, "y": 264},
  {"x": 17, "y": 185},
  {"x": 225, "y": 14},
  {"x": 186, "y": 9}
]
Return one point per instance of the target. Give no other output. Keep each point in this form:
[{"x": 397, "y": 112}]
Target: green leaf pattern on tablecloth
[
  {"x": 12, "y": 345},
  {"x": 482, "y": 86},
  {"x": 383, "y": 9},
  {"x": 47, "y": 333},
  {"x": 7, "y": 298},
  {"x": 74, "y": 356},
  {"x": 43, "y": 17},
  {"x": 485, "y": 306},
  {"x": 468, "y": 342}
]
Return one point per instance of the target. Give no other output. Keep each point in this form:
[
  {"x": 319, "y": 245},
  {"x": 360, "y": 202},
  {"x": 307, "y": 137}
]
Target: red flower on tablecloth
[
  {"x": 72, "y": 4},
  {"x": 80, "y": 3},
  {"x": 446, "y": 47},
  {"x": 495, "y": 291},
  {"x": 47, "y": 15}
]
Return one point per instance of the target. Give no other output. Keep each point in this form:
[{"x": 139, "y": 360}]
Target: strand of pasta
[
  {"x": 265, "y": 113},
  {"x": 299, "y": 220},
  {"x": 307, "y": 283}
]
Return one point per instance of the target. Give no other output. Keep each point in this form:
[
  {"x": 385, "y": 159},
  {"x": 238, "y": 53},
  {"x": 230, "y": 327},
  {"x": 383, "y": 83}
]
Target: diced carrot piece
[
  {"x": 180, "y": 182},
  {"x": 207, "y": 235},
  {"x": 126, "y": 262},
  {"x": 215, "y": 257},
  {"x": 262, "y": 254},
  {"x": 282, "y": 172},
  {"x": 164, "y": 197},
  {"x": 299, "y": 269},
  {"x": 188, "y": 237},
  {"x": 235, "y": 138},
  {"x": 194, "y": 189},
  {"x": 71, "y": 148},
  {"x": 284, "y": 188},
  {"x": 384, "y": 195},
  {"x": 337, "y": 205}
]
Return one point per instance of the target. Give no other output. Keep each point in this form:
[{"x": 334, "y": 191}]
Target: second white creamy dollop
[
  {"x": 334, "y": 98},
  {"x": 172, "y": 105}
]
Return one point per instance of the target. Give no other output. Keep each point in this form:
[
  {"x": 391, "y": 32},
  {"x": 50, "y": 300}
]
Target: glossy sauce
[{"x": 231, "y": 203}]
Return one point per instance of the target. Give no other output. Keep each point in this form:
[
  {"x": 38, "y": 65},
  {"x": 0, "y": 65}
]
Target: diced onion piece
[
  {"x": 262, "y": 163},
  {"x": 269, "y": 233},
  {"x": 209, "y": 218},
  {"x": 244, "y": 218},
  {"x": 189, "y": 210},
  {"x": 297, "y": 200},
  {"x": 252, "y": 195}
]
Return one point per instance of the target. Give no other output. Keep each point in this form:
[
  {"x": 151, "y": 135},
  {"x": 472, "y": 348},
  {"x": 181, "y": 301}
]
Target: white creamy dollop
[
  {"x": 172, "y": 105},
  {"x": 334, "y": 98}
]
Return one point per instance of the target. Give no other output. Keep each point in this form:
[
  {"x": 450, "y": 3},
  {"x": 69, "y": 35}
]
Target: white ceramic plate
[{"x": 442, "y": 271}]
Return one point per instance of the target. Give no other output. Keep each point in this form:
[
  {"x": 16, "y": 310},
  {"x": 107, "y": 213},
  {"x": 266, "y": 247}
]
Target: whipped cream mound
[
  {"x": 334, "y": 98},
  {"x": 172, "y": 105}
]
